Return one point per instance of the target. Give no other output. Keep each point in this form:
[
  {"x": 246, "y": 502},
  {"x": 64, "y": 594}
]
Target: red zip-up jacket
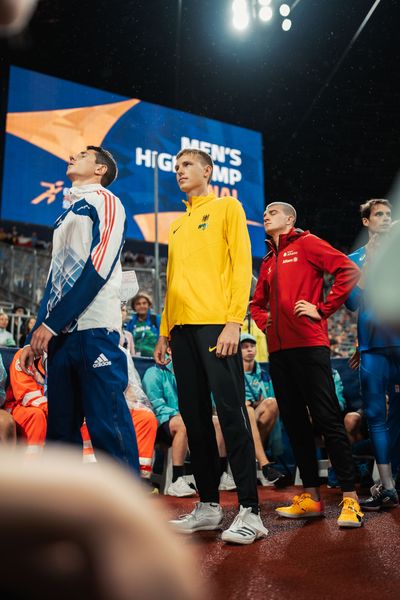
[{"x": 295, "y": 271}]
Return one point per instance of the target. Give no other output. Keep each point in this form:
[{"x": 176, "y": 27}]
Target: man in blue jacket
[{"x": 378, "y": 356}]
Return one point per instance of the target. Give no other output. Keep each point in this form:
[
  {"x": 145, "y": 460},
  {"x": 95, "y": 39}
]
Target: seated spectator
[
  {"x": 144, "y": 325},
  {"x": 126, "y": 338},
  {"x": 159, "y": 384},
  {"x": 7, "y": 425},
  {"x": 29, "y": 325},
  {"x": 19, "y": 313},
  {"x": 144, "y": 421},
  {"x": 4, "y": 236},
  {"x": 249, "y": 326},
  {"x": 261, "y": 406},
  {"x": 14, "y": 236},
  {"x": 27, "y": 403},
  {"x": 6, "y": 339},
  {"x": 356, "y": 428}
]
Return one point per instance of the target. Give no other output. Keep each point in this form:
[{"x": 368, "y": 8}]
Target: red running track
[{"x": 299, "y": 559}]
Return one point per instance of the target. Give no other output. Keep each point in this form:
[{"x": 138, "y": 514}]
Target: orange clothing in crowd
[
  {"x": 145, "y": 425},
  {"x": 27, "y": 404}
]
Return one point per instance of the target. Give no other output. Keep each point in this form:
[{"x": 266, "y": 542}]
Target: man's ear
[
  {"x": 100, "y": 170},
  {"x": 365, "y": 221},
  {"x": 207, "y": 172}
]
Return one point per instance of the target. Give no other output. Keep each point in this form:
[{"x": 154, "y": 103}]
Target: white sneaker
[
  {"x": 226, "y": 483},
  {"x": 206, "y": 515},
  {"x": 180, "y": 488},
  {"x": 245, "y": 529}
]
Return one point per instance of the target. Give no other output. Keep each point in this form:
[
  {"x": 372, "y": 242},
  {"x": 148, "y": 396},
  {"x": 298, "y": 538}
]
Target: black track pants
[
  {"x": 302, "y": 377},
  {"x": 198, "y": 372}
]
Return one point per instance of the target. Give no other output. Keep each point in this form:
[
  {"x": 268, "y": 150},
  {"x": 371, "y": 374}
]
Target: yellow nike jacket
[{"x": 209, "y": 265}]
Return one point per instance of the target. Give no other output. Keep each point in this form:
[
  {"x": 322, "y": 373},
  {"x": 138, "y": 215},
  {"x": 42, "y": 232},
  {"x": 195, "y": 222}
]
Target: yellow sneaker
[
  {"x": 351, "y": 515},
  {"x": 303, "y": 507}
]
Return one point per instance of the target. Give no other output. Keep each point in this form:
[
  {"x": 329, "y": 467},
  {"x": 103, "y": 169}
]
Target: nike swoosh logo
[{"x": 212, "y": 349}]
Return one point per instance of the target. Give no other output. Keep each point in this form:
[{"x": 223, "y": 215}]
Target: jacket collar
[
  {"x": 198, "y": 201},
  {"x": 75, "y": 193},
  {"x": 284, "y": 240}
]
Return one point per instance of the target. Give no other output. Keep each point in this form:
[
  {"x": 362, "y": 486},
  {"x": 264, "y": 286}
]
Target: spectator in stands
[
  {"x": 357, "y": 432},
  {"x": 6, "y": 338},
  {"x": 3, "y": 235},
  {"x": 144, "y": 325},
  {"x": 299, "y": 354},
  {"x": 27, "y": 402},
  {"x": 126, "y": 338},
  {"x": 29, "y": 325},
  {"x": 261, "y": 405},
  {"x": 7, "y": 423},
  {"x": 250, "y": 326},
  {"x": 377, "y": 357},
  {"x": 159, "y": 384},
  {"x": 19, "y": 313},
  {"x": 14, "y": 236},
  {"x": 143, "y": 418}
]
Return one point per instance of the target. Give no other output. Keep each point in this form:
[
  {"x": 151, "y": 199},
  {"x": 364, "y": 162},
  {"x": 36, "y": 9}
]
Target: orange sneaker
[{"x": 303, "y": 507}]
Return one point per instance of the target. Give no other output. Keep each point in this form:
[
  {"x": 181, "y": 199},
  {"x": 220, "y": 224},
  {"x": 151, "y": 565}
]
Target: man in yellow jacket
[{"x": 208, "y": 285}]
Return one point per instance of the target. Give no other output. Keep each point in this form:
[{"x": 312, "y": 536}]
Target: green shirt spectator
[{"x": 159, "y": 384}]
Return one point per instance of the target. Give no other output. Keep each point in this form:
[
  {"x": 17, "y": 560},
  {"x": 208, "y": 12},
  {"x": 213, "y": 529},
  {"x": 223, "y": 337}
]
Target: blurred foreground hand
[{"x": 86, "y": 532}]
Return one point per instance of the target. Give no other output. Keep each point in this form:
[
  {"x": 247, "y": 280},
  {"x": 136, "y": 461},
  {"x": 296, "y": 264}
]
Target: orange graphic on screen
[
  {"x": 65, "y": 131},
  {"x": 50, "y": 194}
]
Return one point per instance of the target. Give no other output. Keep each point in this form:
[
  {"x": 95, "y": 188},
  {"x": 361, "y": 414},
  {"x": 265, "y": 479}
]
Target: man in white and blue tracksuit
[{"x": 79, "y": 317}]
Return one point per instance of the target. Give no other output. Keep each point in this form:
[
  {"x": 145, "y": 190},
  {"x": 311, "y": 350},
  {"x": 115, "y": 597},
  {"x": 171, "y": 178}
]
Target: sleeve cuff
[{"x": 49, "y": 328}]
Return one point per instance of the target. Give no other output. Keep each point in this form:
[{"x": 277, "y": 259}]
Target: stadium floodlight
[
  {"x": 264, "y": 2},
  {"x": 266, "y": 13},
  {"x": 284, "y": 9},
  {"x": 241, "y": 17},
  {"x": 286, "y": 24}
]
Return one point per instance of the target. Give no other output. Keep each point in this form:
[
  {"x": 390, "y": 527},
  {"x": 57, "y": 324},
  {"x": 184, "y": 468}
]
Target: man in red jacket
[{"x": 291, "y": 282}]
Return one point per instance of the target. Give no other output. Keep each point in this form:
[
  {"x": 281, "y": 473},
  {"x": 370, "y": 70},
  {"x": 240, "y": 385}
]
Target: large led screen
[{"x": 50, "y": 118}]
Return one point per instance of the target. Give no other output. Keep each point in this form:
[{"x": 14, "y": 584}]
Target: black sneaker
[
  {"x": 380, "y": 498},
  {"x": 272, "y": 474}
]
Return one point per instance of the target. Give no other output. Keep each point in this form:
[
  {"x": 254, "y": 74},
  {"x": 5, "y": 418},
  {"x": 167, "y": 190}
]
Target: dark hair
[
  {"x": 204, "y": 157},
  {"x": 141, "y": 295},
  {"x": 104, "y": 157},
  {"x": 365, "y": 209}
]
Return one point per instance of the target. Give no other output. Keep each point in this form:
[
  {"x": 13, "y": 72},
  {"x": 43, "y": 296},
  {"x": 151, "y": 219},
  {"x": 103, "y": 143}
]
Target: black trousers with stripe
[
  {"x": 302, "y": 378},
  {"x": 198, "y": 372}
]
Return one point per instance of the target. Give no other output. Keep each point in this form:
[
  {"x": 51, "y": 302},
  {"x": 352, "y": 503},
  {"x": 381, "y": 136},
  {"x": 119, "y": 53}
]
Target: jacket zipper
[{"x": 277, "y": 297}]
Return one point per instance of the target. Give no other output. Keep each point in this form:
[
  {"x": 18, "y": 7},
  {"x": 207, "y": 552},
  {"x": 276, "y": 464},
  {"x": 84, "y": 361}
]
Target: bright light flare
[
  {"x": 284, "y": 10},
  {"x": 266, "y": 13},
  {"x": 241, "y": 17},
  {"x": 286, "y": 24}
]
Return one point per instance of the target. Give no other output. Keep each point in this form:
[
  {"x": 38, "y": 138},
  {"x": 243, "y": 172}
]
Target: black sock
[
  {"x": 264, "y": 470},
  {"x": 177, "y": 471},
  {"x": 223, "y": 464}
]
